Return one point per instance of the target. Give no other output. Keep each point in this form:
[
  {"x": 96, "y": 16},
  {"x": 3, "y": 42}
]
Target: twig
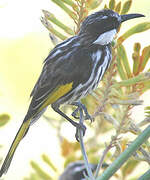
[
  {"x": 80, "y": 133},
  {"x": 102, "y": 159},
  {"x": 80, "y": 14},
  {"x": 107, "y": 90}
]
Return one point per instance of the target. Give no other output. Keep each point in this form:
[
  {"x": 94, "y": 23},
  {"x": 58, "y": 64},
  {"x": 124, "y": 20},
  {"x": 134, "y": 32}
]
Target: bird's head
[{"x": 103, "y": 25}]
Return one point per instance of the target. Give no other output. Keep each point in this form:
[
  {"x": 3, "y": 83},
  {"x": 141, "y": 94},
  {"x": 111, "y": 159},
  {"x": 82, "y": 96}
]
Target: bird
[
  {"x": 72, "y": 70},
  {"x": 76, "y": 170}
]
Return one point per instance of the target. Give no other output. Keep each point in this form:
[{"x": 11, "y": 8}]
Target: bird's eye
[
  {"x": 103, "y": 25},
  {"x": 109, "y": 23}
]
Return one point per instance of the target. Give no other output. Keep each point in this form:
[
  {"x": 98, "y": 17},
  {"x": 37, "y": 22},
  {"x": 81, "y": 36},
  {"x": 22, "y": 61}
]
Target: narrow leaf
[
  {"x": 123, "y": 56},
  {"x": 134, "y": 102},
  {"x": 144, "y": 58},
  {"x": 137, "y": 47},
  {"x": 118, "y": 7},
  {"x": 136, "y": 29},
  {"x": 93, "y": 4},
  {"x": 39, "y": 171},
  {"x": 112, "y": 4},
  {"x": 136, "y": 58},
  {"x": 47, "y": 24},
  {"x": 146, "y": 86},
  {"x": 47, "y": 160},
  {"x": 126, "y": 7},
  {"x": 53, "y": 19},
  {"x": 4, "y": 118},
  {"x": 147, "y": 113},
  {"x": 70, "y": 3},
  {"x": 33, "y": 176},
  {"x": 65, "y": 8},
  {"x": 136, "y": 63},
  {"x": 120, "y": 69},
  {"x": 143, "y": 77},
  {"x": 147, "y": 108},
  {"x": 129, "y": 167}
]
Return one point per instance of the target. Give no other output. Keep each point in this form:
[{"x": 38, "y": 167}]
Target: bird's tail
[{"x": 21, "y": 133}]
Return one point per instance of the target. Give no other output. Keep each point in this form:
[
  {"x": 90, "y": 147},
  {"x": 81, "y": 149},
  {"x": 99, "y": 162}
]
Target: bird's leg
[
  {"x": 83, "y": 107},
  {"x": 77, "y": 125},
  {"x": 79, "y": 133}
]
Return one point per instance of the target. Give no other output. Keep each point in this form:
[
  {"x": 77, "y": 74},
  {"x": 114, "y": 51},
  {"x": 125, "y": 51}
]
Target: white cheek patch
[{"x": 106, "y": 37}]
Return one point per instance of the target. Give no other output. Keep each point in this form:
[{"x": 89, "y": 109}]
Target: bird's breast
[{"x": 101, "y": 61}]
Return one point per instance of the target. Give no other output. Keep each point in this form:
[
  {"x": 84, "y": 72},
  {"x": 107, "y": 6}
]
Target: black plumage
[
  {"x": 71, "y": 71},
  {"x": 76, "y": 171}
]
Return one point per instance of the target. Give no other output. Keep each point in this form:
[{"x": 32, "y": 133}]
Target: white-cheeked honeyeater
[{"x": 72, "y": 69}]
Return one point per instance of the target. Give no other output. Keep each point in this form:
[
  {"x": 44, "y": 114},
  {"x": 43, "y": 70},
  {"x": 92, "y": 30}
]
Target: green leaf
[
  {"x": 4, "y": 118},
  {"x": 121, "y": 69},
  {"x": 136, "y": 29},
  {"x": 144, "y": 58},
  {"x": 147, "y": 111},
  {"x": 70, "y": 3},
  {"x": 137, "y": 47},
  {"x": 129, "y": 167},
  {"x": 146, "y": 86},
  {"x": 118, "y": 7},
  {"x": 54, "y": 20},
  {"x": 112, "y": 4},
  {"x": 65, "y": 8},
  {"x": 33, "y": 176},
  {"x": 47, "y": 160},
  {"x": 143, "y": 77},
  {"x": 145, "y": 176},
  {"x": 93, "y": 4},
  {"x": 136, "y": 58},
  {"x": 48, "y": 25},
  {"x": 123, "y": 56},
  {"x": 136, "y": 63},
  {"x": 123, "y": 157},
  {"x": 39, "y": 171},
  {"x": 147, "y": 108},
  {"x": 126, "y": 7}
]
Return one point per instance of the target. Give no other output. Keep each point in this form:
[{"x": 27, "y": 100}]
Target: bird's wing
[{"x": 60, "y": 77}]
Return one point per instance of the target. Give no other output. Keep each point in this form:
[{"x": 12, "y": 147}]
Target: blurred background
[{"x": 24, "y": 44}]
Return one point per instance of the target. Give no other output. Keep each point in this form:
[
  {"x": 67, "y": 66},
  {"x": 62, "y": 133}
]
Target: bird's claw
[
  {"x": 86, "y": 116},
  {"x": 74, "y": 114},
  {"x": 80, "y": 127}
]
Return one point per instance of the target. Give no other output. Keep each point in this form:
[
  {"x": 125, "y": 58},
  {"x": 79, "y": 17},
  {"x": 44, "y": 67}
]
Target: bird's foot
[
  {"x": 77, "y": 110},
  {"x": 80, "y": 127}
]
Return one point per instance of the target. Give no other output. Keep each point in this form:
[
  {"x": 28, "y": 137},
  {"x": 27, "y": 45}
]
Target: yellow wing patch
[{"x": 56, "y": 94}]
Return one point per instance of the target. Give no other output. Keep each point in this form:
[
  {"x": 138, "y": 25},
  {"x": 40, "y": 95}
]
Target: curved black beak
[{"x": 126, "y": 17}]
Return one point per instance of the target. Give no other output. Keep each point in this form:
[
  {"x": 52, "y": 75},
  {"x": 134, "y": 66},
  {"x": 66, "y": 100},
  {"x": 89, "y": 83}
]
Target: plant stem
[
  {"x": 89, "y": 172},
  {"x": 102, "y": 159},
  {"x": 145, "y": 176},
  {"x": 125, "y": 155}
]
